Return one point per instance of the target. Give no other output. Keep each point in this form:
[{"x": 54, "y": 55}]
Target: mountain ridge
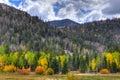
[{"x": 63, "y": 23}]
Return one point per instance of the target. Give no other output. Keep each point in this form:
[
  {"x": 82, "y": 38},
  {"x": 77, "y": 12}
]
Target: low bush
[
  {"x": 49, "y": 71},
  {"x": 71, "y": 76},
  {"x": 40, "y": 70},
  {"x": 9, "y": 68},
  {"x": 104, "y": 71},
  {"x": 24, "y": 71}
]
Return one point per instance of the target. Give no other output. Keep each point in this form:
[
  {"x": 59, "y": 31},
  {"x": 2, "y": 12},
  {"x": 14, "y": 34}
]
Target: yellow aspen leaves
[
  {"x": 109, "y": 58},
  {"x": 43, "y": 62},
  {"x": 1, "y": 61},
  {"x": 93, "y": 64},
  {"x": 62, "y": 59}
]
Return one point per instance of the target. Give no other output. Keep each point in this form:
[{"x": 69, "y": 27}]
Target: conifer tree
[
  {"x": 65, "y": 67},
  {"x": 55, "y": 65}
]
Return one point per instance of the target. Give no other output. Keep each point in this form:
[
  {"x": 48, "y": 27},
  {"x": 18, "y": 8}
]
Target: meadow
[{"x": 32, "y": 76}]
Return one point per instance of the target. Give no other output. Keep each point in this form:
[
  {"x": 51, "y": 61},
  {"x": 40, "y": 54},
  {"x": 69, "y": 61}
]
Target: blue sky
[
  {"x": 57, "y": 7},
  {"x": 78, "y": 10},
  {"x": 16, "y": 2}
]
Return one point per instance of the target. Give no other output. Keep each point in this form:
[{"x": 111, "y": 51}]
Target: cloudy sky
[{"x": 78, "y": 10}]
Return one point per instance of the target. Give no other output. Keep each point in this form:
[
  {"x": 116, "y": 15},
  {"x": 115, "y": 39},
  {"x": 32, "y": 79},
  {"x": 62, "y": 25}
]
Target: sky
[{"x": 80, "y": 11}]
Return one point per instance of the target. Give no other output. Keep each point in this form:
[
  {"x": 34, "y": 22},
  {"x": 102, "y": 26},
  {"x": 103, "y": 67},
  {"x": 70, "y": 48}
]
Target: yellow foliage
[
  {"x": 16, "y": 55},
  {"x": 43, "y": 62},
  {"x": 26, "y": 56},
  {"x": 9, "y": 68},
  {"x": 1, "y": 61},
  {"x": 62, "y": 59},
  {"x": 116, "y": 58},
  {"x": 93, "y": 64},
  {"x": 109, "y": 58}
]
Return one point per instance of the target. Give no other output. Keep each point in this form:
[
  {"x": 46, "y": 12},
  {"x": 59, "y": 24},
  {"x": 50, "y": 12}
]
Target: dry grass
[{"x": 11, "y": 76}]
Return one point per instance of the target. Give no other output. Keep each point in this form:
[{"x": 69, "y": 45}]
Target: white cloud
[
  {"x": 113, "y": 7},
  {"x": 68, "y": 12},
  {"x": 77, "y": 10},
  {"x": 5, "y": 2},
  {"x": 41, "y": 8}
]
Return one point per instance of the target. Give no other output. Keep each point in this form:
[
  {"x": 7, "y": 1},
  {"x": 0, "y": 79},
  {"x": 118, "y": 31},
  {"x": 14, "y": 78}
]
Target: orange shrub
[
  {"x": 104, "y": 71},
  {"x": 49, "y": 71},
  {"x": 40, "y": 70},
  {"x": 23, "y": 71},
  {"x": 19, "y": 71},
  {"x": 9, "y": 68}
]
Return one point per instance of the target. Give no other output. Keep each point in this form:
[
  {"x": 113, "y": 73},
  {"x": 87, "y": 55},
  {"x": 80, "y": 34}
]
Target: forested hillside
[
  {"x": 100, "y": 35},
  {"x": 20, "y": 31}
]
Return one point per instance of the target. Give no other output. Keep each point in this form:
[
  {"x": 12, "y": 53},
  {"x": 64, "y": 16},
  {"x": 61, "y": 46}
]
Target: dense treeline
[{"x": 61, "y": 63}]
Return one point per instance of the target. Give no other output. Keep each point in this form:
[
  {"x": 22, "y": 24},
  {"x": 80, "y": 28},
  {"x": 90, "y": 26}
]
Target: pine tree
[
  {"x": 83, "y": 65},
  {"x": 104, "y": 63},
  {"x": 55, "y": 65},
  {"x": 65, "y": 67},
  {"x": 113, "y": 68}
]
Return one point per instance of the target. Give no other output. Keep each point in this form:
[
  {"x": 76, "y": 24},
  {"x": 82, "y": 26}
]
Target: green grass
[{"x": 11, "y": 76}]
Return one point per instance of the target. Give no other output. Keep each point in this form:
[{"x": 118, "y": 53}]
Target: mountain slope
[
  {"x": 20, "y": 31},
  {"x": 63, "y": 23},
  {"x": 100, "y": 35}
]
